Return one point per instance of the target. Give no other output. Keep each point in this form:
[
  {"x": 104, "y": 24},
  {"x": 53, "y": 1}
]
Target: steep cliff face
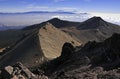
[
  {"x": 93, "y": 60},
  {"x": 28, "y": 51},
  {"x": 52, "y": 40},
  {"x": 105, "y": 54}
]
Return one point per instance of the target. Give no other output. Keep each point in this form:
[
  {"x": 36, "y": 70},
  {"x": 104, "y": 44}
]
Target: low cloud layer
[{"x": 29, "y": 19}]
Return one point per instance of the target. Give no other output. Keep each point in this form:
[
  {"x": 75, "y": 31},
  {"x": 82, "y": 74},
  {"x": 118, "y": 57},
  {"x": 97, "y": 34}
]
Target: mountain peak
[
  {"x": 54, "y": 19},
  {"x": 57, "y": 22},
  {"x": 96, "y": 18},
  {"x": 92, "y": 23}
]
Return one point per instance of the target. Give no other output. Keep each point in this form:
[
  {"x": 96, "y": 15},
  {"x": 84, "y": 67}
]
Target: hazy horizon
[
  {"x": 106, "y": 9},
  {"x": 35, "y": 18}
]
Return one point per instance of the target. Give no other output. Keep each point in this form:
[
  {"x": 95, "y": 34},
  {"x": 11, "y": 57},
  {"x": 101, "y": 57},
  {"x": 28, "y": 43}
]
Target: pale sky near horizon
[{"x": 102, "y": 6}]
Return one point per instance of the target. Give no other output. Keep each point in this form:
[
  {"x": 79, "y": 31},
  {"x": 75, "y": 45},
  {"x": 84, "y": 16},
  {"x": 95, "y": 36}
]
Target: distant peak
[
  {"x": 96, "y": 18},
  {"x": 56, "y": 22},
  {"x": 55, "y": 19},
  {"x": 93, "y": 23}
]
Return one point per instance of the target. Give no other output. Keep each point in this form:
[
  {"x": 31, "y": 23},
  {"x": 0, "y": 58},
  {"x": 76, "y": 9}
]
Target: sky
[{"x": 103, "y": 6}]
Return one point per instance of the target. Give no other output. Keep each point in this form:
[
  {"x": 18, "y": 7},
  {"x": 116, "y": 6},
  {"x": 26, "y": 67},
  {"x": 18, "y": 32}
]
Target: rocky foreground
[
  {"x": 18, "y": 71},
  {"x": 94, "y": 60},
  {"x": 91, "y": 61}
]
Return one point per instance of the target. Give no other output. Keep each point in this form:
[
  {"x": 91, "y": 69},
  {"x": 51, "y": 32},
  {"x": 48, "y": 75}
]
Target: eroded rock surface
[
  {"x": 18, "y": 71},
  {"x": 94, "y": 60}
]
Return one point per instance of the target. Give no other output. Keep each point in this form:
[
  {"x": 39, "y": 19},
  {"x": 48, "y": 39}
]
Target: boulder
[
  {"x": 19, "y": 71},
  {"x": 67, "y": 49},
  {"x": 7, "y": 72}
]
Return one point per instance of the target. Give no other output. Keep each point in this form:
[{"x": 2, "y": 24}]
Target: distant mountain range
[
  {"x": 38, "y": 12},
  {"x": 5, "y": 27},
  {"x": 33, "y": 17}
]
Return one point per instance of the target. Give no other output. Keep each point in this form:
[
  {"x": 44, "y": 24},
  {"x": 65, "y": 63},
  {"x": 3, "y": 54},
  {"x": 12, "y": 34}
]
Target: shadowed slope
[
  {"x": 28, "y": 51},
  {"x": 95, "y": 60},
  {"x": 9, "y": 37},
  {"x": 37, "y": 46},
  {"x": 94, "y": 28}
]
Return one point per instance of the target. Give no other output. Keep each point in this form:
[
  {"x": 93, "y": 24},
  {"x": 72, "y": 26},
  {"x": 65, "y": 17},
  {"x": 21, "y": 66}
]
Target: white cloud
[
  {"x": 59, "y": 0},
  {"x": 32, "y": 6},
  {"x": 111, "y": 17},
  {"x": 67, "y": 9},
  {"x": 87, "y": 0},
  {"x": 38, "y": 7},
  {"x": 47, "y": 8}
]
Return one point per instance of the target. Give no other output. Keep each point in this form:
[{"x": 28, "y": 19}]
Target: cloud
[
  {"x": 59, "y": 0},
  {"x": 71, "y": 9},
  {"x": 47, "y": 8},
  {"x": 110, "y": 17},
  {"x": 87, "y": 0},
  {"x": 32, "y": 6}
]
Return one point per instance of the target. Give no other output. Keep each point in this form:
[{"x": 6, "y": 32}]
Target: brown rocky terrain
[
  {"x": 37, "y": 46},
  {"x": 27, "y": 49},
  {"x": 93, "y": 61},
  {"x": 53, "y": 50},
  {"x": 52, "y": 40}
]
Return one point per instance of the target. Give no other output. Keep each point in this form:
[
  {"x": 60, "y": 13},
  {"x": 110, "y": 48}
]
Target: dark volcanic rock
[
  {"x": 52, "y": 66},
  {"x": 67, "y": 49},
  {"x": 18, "y": 71},
  {"x": 105, "y": 54},
  {"x": 102, "y": 52},
  {"x": 93, "y": 61},
  {"x": 113, "y": 42},
  {"x": 67, "y": 61}
]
